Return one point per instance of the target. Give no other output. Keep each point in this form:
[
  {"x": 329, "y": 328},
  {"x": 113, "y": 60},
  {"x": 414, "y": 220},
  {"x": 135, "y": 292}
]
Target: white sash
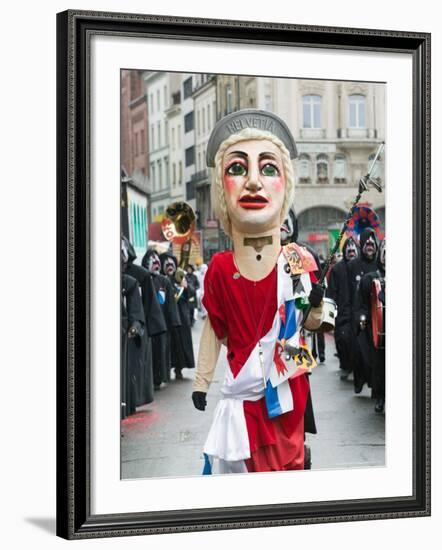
[{"x": 228, "y": 438}]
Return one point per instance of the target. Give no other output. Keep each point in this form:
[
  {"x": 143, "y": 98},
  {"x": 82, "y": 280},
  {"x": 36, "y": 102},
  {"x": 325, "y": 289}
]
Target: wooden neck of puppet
[{"x": 256, "y": 254}]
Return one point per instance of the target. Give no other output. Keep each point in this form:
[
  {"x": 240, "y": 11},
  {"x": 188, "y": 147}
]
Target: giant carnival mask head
[
  {"x": 151, "y": 261},
  {"x": 253, "y": 181},
  {"x": 369, "y": 243}
]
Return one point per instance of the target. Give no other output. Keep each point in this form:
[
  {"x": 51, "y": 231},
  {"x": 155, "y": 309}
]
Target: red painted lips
[{"x": 253, "y": 202}]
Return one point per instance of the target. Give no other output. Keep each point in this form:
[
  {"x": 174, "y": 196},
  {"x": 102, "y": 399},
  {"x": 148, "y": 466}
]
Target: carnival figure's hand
[
  {"x": 316, "y": 295},
  {"x": 199, "y": 400}
]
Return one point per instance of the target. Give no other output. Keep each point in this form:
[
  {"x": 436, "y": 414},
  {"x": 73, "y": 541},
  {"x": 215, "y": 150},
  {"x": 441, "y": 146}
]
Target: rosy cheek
[
  {"x": 278, "y": 184},
  {"x": 229, "y": 184}
]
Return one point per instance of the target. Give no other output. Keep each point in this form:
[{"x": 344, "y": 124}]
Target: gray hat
[{"x": 233, "y": 123}]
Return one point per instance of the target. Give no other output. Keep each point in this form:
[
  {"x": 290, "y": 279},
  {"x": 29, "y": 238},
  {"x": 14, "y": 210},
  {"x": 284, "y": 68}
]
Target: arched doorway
[
  {"x": 318, "y": 225},
  {"x": 381, "y": 214}
]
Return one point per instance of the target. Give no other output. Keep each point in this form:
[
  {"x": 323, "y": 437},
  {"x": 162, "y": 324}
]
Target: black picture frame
[{"x": 74, "y": 31}]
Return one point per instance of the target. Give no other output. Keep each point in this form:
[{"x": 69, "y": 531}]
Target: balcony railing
[
  {"x": 312, "y": 133},
  {"x": 354, "y": 133}
]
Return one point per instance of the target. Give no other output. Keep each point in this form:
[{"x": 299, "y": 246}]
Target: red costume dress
[{"x": 244, "y": 312}]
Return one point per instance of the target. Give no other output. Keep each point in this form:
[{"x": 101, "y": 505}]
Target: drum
[
  {"x": 377, "y": 315},
  {"x": 329, "y": 313}
]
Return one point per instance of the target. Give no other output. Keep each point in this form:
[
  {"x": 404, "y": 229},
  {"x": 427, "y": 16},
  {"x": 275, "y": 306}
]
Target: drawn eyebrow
[
  {"x": 268, "y": 154},
  {"x": 264, "y": 154},
  {"x": 237, "y": 154}
]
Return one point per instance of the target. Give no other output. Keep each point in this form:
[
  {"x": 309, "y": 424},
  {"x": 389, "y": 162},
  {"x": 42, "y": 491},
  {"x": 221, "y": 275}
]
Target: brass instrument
[{"x": 178, "y": 226}]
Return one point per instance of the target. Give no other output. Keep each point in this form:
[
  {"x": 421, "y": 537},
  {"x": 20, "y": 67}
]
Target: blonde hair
[{"x": 217, "y": 187}]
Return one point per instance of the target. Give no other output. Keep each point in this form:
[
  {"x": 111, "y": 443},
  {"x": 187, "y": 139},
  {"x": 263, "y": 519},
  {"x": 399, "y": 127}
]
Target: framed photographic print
[{"x": 181, "y": 404}]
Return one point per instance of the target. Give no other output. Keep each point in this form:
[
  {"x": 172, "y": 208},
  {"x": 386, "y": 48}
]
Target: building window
[
  {"x": 158, "y": 100},
  {"x": 135, "y": 142},
  {"x": 229, "y": 99},
  {"x": 180, "y": 173},
  {"x": 179, "y": 136},
  {"x": 188, "y": 122},
  {"x": 160, "y": 175},
  {"x": 151, "y": 102},
  {"x": 159, "y": 134},
  {"x": 214, "y": 112},
  {"x": 209, "y": 124},
  {"x": 304, "y": 169},
  {"x": 268, "y": 102},
  {"x": 174, "y": 174},
  {"x": 320, "y": 218},
  {"x": 152, "y": 137},
  {"x": 165, "y": 96},
  {"x": 311, "y": 111},
  {"x": 166, "y": 173},
  {"x": 166, "y": 132},
  {"x": 340, "y": 169},
  {"x": 142, "y": 139},
  {"x": 173, "y": 139},
  {"x": 204, "y": 120},
  {"x": 322, "y": 168},
  {"x": 356, "y": 111},
  {"x": 190, "y": 156},
  {"x": 187, "y": 87},
  {"x": 153, "y": 176}
]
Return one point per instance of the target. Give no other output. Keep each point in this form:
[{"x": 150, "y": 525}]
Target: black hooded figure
[
  {"x": 154, "y": 320},
  {"x": 182, "y": 356},
  {"x": 161, "y": 344},
  {"x": 357, "y": 268},
  {"x": 133, "y": 343},
  {"x": 377, "y": 354},
  {"x": 339, "y": 290}
]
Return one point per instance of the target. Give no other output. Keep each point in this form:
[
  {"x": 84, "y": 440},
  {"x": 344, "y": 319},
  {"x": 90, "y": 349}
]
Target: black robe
[
  {"x": 339, "y": 290},
  {"x": 154, "y": 319},
  {"x": 192, "y": 286},
  {"x": 162, "y": 344},
  {"x": 182, "y": 335},
  {"x": 357, "y": 268},
  {"x": 132, "y": 348}
]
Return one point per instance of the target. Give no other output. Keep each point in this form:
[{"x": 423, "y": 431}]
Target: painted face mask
[
  {"x": 369, "y": 247},
  {"x": 254, "y": 185},
  {"x": 153, "y": 264},
  {"x": 351, "y": 250},
  {"x": 169, "y": 267}
]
